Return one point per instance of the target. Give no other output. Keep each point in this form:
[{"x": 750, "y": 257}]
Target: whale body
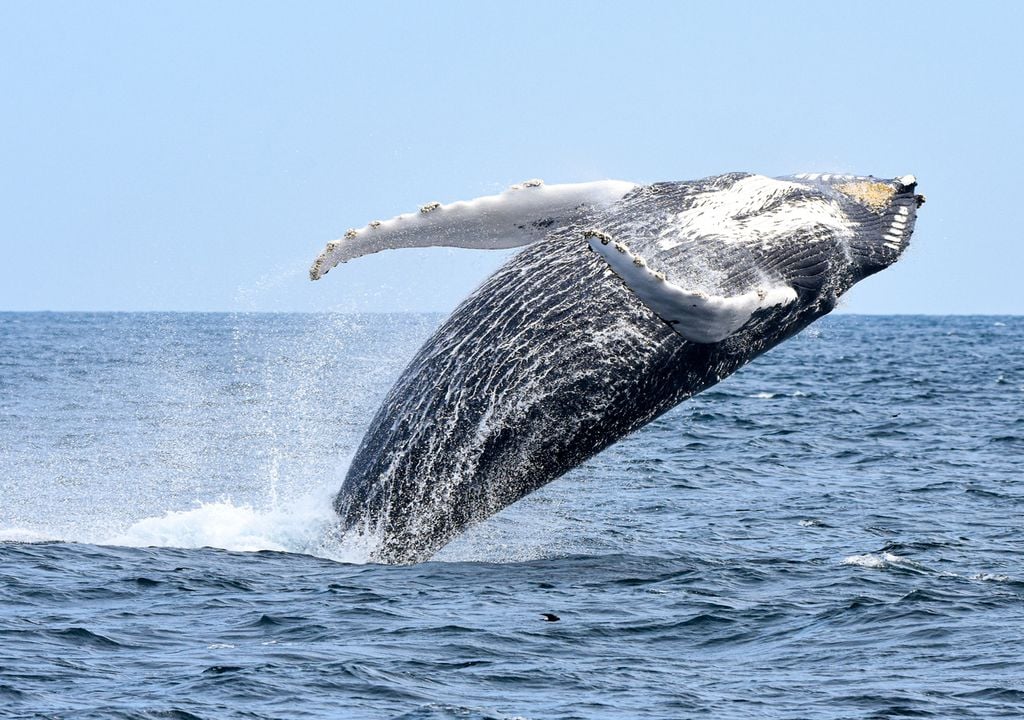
[{"x": 626, "y": 300}]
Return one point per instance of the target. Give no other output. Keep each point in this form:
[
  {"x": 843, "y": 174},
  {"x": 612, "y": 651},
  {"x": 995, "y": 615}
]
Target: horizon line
[{"x": 426, "y": 312}]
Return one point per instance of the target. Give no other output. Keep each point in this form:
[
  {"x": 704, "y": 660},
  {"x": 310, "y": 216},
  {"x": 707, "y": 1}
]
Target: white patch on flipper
[
  {"x": 494, "y": 222},
  {"x": 697, "y": 316},
  {"x": 736, "y": 215}
]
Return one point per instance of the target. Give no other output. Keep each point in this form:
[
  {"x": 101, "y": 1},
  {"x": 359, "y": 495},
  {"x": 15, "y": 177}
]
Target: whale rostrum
[{"x": 626, "y": 300}]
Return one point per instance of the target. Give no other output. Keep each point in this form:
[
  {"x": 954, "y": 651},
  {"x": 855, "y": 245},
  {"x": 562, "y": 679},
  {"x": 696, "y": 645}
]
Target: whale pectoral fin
[
  {"x": 697, "y": 316},
  {"x": 519, "y": 216}
]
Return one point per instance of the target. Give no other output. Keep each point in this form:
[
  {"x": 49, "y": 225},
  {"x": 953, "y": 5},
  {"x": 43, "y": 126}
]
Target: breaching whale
[{"x": 626, "y": 300}]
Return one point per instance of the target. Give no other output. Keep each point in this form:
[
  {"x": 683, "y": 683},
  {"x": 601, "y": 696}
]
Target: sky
[{"x": 196, "y": 156}]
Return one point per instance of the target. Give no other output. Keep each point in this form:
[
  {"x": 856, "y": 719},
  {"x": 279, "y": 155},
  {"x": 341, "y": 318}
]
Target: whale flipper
[
  {"x": 519, "y": 216},
  {"x": 694, "y": 314}
]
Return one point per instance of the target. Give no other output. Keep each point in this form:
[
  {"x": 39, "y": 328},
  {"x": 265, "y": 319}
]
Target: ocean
[{"x": 833, "y": 532}]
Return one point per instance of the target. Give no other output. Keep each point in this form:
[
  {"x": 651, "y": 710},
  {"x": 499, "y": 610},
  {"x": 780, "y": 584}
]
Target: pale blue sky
[{"x": 197, "y": 156}]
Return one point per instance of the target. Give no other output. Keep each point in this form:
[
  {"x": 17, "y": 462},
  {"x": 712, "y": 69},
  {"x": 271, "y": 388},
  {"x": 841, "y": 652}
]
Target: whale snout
[
  {"x": 906, "y": 185},
  {"x": 883, "y": 214}
]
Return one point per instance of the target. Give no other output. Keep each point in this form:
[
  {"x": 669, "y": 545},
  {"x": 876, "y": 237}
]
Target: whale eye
[{"x": 876, "y": 195}]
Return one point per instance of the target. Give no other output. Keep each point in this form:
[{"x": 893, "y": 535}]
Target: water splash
[
  {"x": 299, "y": 526},
  {"x": 228, "y": 431},
  {"x": 305, "y": 525}
]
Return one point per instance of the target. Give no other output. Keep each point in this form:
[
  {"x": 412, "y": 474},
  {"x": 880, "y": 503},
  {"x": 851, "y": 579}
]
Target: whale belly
[{"x": 550, "y": 361}]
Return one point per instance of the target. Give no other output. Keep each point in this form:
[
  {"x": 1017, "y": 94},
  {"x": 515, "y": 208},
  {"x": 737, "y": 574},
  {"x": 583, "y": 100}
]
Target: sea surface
[{"x": 833, "y": 532}]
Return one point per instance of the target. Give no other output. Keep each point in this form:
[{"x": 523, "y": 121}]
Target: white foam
[
  {"x": 991, "y": 577},
  {"x": 876, "y": 560},
  {"x": 306, "y": 525}
]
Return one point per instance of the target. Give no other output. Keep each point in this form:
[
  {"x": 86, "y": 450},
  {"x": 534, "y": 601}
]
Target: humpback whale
[{"x": 626, "y": 300}]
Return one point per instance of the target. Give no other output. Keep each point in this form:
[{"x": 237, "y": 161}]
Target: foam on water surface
[
  {"x": 304, "y": 525},
  {"x": 876, "y": 560}
]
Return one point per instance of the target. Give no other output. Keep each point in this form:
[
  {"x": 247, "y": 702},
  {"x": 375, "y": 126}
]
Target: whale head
[
  {"x": 709, "y": 257},
  {"x": 881, "y": 214}
]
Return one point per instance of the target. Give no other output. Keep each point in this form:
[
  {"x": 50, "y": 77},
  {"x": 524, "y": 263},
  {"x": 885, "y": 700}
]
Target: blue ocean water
[{"x": 833, "y": 532}]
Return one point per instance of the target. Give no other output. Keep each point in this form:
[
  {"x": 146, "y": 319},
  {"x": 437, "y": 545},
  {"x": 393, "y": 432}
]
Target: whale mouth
[{"x": 867, "y": 189}]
